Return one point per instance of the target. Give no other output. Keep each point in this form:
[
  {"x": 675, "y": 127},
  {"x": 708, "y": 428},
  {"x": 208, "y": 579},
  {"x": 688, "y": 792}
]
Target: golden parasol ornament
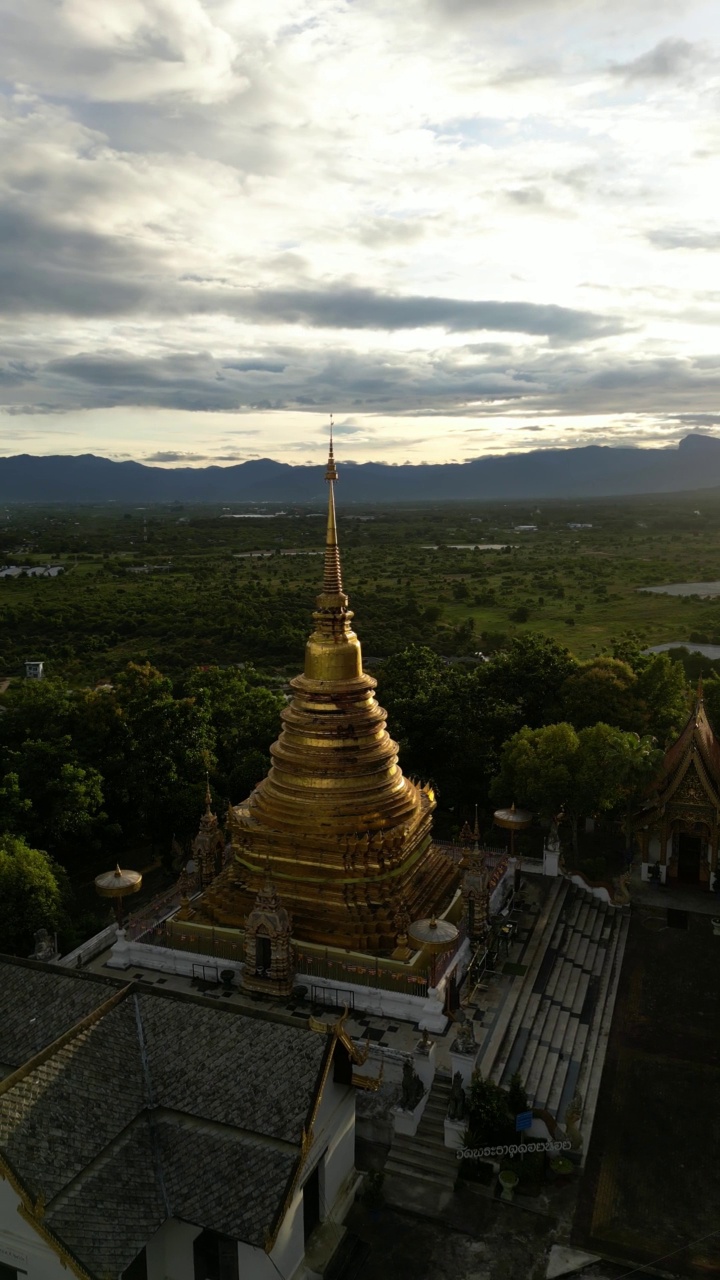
[
  {"x": 435, "y": 935},
  {"x": 118, "y": 884}
]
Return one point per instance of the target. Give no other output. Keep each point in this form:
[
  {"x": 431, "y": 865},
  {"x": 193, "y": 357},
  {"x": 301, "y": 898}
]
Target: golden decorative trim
[
  {"x": 306, "y": 1143},
  {"x": 67, "y": 1259},
  {"x": 372, "y": 1083}
]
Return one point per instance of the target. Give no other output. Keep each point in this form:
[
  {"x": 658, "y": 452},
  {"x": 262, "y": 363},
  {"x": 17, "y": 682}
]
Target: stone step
[
  {"x": 538, "y": 1066},
  {"x": 595, "y": 1050},
  {"x": 572, "y": 1076},
  {"x": 560, "y": 1029},
  {"x": 531, "y": 1009},
  {"x": 554, "y": 978},
  {"x": 546, "y": 1079},
  {"x": 571, "y": 1059},
  {"x": 597, "y": 926},
  {"x": 499, "y": 1048},
  {"x": 572, "y": 987},
  {"x": 581, "y": 992},
  {"x": 581, "y": 953},
  {"x": 417, "y": 1153},
  {"x": 573, "y": 944},
  {"x": 589, "y": 957},
  {"x": 586, "y": 917},
  {"x": 573, "y": 912},
  {"x": 599, "y": 961},
  {"x": 551, "y": 1021},
  {"x": 400, "y": 1170},
  {"x": 531, "y": 1049},
  {"x": 564, "y": 978},
  {"x": 557, "y": 936}
]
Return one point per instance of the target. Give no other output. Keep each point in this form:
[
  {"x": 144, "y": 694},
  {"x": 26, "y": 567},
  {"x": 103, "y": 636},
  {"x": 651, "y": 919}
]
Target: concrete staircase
[
  {"x": 425, "y": 1157},
  {"x": 553, "y": 1039}
]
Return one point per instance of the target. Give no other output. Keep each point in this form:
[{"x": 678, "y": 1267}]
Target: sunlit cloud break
[{"x": 462, "y": 230}]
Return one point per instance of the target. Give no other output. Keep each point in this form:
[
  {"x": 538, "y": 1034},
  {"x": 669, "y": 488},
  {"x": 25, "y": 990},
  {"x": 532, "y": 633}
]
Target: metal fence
[{"x": 202, "y": 942}]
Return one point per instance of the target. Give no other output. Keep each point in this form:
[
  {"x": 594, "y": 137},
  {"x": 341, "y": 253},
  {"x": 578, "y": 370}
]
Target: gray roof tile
[
  {"x": 163, "y": 1106},
  {"x": 37, "y": 1005}
]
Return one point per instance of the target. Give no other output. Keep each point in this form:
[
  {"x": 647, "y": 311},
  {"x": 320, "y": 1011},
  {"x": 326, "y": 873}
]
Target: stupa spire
[{"x": 332, "y": 575}]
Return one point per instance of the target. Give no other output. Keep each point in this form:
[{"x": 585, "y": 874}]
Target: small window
[
  {"x": 215, "y": 1257},
  {"x": 137, "y": 1269},
  {"x": 10, "y": 1273}
]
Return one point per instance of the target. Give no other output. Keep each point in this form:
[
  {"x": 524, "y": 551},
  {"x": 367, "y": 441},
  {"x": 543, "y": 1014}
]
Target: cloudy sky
[{"x": 463, "y": 226}]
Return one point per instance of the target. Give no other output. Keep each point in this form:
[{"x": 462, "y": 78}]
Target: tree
[
  {"x": 32, "y": 890},
  {"x": 531, "y": 673},
  {"x": 488, "y": 1114},
  {"x": 556, "y": 769},
  {"x": 602, "y": 689},
  {"x": 663, "y": 695},
  {"x": 245, "y": 720}
]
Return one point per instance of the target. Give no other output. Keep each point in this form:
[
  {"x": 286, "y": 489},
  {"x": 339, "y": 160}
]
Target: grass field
[{"x": 410, "y": 574}]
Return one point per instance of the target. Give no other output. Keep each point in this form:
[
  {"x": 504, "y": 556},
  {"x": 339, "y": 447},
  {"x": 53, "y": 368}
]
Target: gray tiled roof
[
  {"x": 232, "y": 1185},
  {"x": 162, "y": 1106},
  {"x": 247, "y": 1072},
  {"x": 38, "y": 1004},
  {"x": 63, "y": 1113},
  {"x": 106, "y": 1217},
  {"x": 212, "y": 1179}
]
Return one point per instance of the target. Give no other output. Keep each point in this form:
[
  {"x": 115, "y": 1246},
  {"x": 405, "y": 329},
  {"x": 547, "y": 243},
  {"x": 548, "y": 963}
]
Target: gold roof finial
[
  {"x": 332, "y": 576},
  {"x": 700, "y": 694}
]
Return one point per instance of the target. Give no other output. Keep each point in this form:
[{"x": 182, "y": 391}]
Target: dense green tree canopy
[
  {"x": 556, "y": 770},
  {"x": 31, "y": 895}
]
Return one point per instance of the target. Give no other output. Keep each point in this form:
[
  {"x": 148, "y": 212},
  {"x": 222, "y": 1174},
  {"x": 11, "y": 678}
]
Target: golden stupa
[{"x": 345, "y": 837}]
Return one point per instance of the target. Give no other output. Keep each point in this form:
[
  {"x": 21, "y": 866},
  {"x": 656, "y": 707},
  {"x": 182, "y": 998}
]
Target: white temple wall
[
  {"x": 21, "y": 1247},
  {"x": 169, "y": 1252}
]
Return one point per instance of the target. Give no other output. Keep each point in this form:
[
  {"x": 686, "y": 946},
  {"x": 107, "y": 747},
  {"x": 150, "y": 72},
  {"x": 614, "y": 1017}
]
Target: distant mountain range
[{"x": 592, "y": 471}]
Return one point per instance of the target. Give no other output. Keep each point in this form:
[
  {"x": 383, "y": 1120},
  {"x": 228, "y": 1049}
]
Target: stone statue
[
  {"x": 456, "y": 1106},
  {"x": 552, "y": 844},
  {"x": 412, "y": 1087},
  {"x": 44, "y": 945},
  {"x": 465, "y": 1040}
]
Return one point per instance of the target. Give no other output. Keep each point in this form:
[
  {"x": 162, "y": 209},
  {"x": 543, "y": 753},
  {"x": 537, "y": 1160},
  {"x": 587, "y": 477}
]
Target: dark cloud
[
  {"x": 547, "y": 380},
  {"x": 353, "y": 307},
  {"x": 684, "y": 238},
  {"x": 49, "y": 268},
  {"x": 670, "y": 59},
  {"x": 175, "y": 455}
]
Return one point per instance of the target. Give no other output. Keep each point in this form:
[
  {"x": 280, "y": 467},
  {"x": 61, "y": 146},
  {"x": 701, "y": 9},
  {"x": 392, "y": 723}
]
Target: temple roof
[
  {"x": 38, "y": 1004},
  {"x": 697, "y": 737},
  {"x": 126, "y": 1120}
]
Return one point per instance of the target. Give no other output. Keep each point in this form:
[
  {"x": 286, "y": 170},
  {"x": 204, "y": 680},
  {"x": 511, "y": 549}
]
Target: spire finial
[
  {"x": 208, "y": 792},
  {"x": 700, "y": 695},
  {"x": 332, "y": 576}
]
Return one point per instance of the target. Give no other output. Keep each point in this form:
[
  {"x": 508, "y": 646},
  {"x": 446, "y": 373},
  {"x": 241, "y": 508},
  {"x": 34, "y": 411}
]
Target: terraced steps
[
  {"x": 425, "y": 1157},
  {"x": 552, "y": 1039}
]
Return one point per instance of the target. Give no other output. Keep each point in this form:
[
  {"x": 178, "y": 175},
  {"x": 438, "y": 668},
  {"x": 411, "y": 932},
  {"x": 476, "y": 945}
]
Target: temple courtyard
[{"x": 651, "y": 1186}]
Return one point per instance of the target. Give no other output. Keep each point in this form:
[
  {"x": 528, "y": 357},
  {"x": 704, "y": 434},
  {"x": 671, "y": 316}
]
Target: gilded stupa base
[{"x": 359, "y": 914}]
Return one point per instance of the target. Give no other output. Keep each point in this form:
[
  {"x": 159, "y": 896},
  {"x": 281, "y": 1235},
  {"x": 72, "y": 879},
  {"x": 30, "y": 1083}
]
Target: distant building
[
  {"x": 34, "y": 670},
  {"x": 574, "y": 525},
  {"x": 148, "y": 1134},
  {"x": 526, "y": 528}
]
